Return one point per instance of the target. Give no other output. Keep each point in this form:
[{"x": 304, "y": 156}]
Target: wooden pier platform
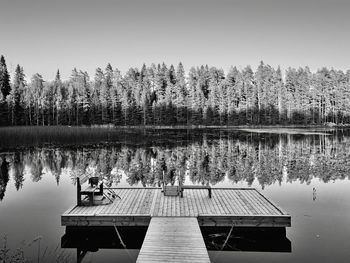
[
  {"x": 173, "y": 239},
  {"x": 227, "y": 207},
  {"x": 173, "y": 233}
]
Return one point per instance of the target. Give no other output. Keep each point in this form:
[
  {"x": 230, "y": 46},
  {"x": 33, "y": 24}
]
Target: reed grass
[
  {"x": 33, "y": 136},
  {"x": 17, "y": 255},
  {"x": 24, "y": 136}
]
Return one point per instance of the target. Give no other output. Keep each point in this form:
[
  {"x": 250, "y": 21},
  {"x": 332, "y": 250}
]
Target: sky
[{"x": 46, "y": 35}]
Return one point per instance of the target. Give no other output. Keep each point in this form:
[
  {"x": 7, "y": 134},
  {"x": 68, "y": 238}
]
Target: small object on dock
[
  {"x": 93, "y": 180},
  {"x": 171, "y": 190}
]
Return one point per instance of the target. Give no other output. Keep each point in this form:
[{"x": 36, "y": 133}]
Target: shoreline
[
  {"x": 182, "y": 127},
  {"x": 189, "y": 127}
]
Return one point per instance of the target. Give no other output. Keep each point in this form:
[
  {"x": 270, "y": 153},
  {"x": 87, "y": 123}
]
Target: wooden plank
[
  {"x": 233, "y": 201},
  {"x": 272, "y": 203},
  {"x": 69, "y": 210},
  {"x": 193, "y": 204},
  {"x": 249, "y": 205},
  {"x": 240, "y": 202},
  {"x": 139, "y": 201},
  {"x": 130, "y": 197},
  {"x": 105, "y": 220},
  {"x": 259, "y": 204},
  {"x": 148, "y": 202},
  {"x": 216, "y": 204},
  {"x": 173, "y": 239},
  {"x": 134, "y": 196},
  {"x": 224, "y": 202}
]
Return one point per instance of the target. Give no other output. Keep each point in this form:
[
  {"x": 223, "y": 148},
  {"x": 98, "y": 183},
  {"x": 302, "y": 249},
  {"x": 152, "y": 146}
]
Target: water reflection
[
  {"x": 92, "y": 239},
  {"x": 4, "y": 177},
  {"x": 236, "y": 157},
  {"x": 258, "y": 239}
]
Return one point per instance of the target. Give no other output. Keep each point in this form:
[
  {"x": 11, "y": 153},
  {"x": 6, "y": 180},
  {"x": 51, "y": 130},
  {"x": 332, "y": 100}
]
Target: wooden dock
[
  {"x": 227, "y": 207},
  {"x": 173, "y": 239},
  {"x": 173, "y": 222}
]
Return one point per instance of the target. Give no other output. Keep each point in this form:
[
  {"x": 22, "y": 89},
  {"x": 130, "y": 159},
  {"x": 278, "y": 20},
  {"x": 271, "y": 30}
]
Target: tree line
[{"x": 165, "y": 95}]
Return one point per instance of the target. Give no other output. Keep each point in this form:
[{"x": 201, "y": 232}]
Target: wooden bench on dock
[
  {"x": 183, "y": 187},
  {"x": 90, "y": 191}
]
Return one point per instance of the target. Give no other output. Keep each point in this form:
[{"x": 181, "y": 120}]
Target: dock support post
[
  {"x": 120, "y": 238},
  {"x": 228, "y": 236},
  {"x": 101, "y": 189},
  {"x": 78, "y": 192}
]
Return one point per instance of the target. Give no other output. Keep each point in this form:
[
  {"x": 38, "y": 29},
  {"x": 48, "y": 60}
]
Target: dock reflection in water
[{"x": 91, "y": 239}]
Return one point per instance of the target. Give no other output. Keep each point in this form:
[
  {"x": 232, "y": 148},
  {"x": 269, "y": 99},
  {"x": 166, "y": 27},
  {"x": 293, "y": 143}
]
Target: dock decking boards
[
  {"x": 173, "y": 239},
  {"x": 227, "y": 207}
]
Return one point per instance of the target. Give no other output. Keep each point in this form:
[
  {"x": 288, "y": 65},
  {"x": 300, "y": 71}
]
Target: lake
[{"x": 306, "y": 172}]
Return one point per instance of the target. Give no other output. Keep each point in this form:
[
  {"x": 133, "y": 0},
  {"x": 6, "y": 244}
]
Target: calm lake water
[{"x": 306, "y": 173}]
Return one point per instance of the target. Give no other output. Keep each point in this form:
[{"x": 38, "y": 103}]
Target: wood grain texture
[{"x": 173, "y": 239}]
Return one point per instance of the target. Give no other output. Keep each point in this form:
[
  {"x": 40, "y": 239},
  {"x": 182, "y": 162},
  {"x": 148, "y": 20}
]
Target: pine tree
[
  {"x": 37, "y": 87},
  {"x": 160, "y": 93},
  {"x": 250, "y": 88},
  {"x": 232, "y": 97},
  {"x": 130, "y": 109},
  {"x": 105, "y": 98},
  {"x": 115, "y": 95},
  {"x": 86, "y": 97},
  {"x": 290, "y": 81},
  {"x": 5, "y": 89},
  {"x": 145, "y": 96},
  {"x": 180, "y": 101},
  {"x": 259, "y": 78},
  {"x": 59, "y": 97},
  {"x": 74, "y": 98},
  {"x": 170, "y": 96},
  {"x": 216, "y": 94},
  {"x": 281, "y": 93},
  {"x": 5, "y": 86},
  {"x": 96, "y": 96},
  {"x": 15, "y": 96}
]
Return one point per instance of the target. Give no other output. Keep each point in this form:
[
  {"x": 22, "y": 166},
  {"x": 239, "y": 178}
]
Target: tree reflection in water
[{"x": 210, "y": 159}]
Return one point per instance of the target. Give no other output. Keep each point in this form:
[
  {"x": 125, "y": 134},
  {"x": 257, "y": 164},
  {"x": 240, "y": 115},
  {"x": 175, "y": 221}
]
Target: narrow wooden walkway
[{"x": 173, "y": 239}]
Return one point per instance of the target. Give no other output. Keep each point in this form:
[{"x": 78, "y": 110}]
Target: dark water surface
[{"x": 305, "y": 173}]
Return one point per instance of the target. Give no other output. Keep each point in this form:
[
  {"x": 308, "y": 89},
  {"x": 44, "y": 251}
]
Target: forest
[{"x": 165, "y": 95}]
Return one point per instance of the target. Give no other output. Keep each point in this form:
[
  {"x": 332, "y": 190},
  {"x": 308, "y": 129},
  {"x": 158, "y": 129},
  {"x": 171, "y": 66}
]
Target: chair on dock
[
  {"x": 92, "y": 190},
  {"x": 96, "y": 192}
]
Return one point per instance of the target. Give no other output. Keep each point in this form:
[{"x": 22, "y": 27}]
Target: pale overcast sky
[{"x": 44, "y": 35}]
